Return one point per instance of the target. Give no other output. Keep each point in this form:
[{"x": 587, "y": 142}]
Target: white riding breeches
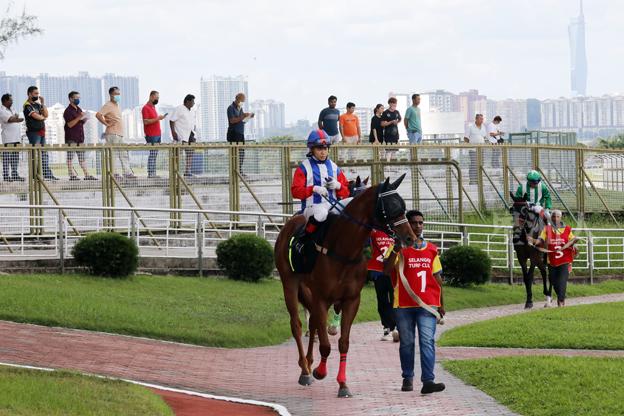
[{"x": 320, "y": 211}]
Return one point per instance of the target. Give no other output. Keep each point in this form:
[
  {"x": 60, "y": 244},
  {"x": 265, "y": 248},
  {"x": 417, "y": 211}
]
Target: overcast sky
[{"x": 299, "y": 52}]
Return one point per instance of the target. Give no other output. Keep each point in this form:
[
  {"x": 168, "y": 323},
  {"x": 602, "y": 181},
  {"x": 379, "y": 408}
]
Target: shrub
[
  {"x": 465, "y": 266},
  {"x": 107, "y": 254},
  {"x": 245, "y": 257}
]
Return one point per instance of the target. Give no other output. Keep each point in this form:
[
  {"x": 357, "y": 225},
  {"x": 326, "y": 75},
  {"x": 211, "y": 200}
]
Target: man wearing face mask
[
  {"x": 110, "y": 116},
  {"x": 236, "y": 123},
  {"x": 74, "y": 135},
  {"x": 35, "y": 113},
  {"x": 151, "y": 126}
]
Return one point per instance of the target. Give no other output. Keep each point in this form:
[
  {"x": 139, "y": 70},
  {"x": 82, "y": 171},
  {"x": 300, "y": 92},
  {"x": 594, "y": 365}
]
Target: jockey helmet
[
  {"x": 534, "y": 176},
  {"x": 318, "y": 138}
]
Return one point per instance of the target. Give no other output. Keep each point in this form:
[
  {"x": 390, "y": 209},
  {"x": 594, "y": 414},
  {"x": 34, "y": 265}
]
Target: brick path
[{"x": 268, "y": 373}]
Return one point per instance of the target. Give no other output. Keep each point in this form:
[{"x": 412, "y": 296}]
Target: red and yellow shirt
[
  {"x": 419, "y": 267},
  {"x": 380, "y": 244},
  {"x": 555, "y": 238}
]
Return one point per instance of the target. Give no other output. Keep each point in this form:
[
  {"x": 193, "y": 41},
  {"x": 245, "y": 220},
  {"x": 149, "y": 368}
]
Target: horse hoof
[
  {"x": 528, "y": 305},
  {"x": 344, "y": 392},
  {"x": 317, "y": 375},
  {"x": 305, "y": 379}
]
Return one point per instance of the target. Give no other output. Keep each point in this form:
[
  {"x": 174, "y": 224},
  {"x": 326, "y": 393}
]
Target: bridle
[{"x": 387, "y": 225}]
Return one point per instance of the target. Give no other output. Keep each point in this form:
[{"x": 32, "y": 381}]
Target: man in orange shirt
[{"x": 349, "y": 125}]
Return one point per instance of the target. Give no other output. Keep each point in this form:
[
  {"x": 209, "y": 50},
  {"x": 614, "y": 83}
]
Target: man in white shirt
[
  {"x": 495, "y": 136},
  {"x": 10, "y": 122},
  {"x": 182, "y": 123},
  {"x": 475, "y": 134}
]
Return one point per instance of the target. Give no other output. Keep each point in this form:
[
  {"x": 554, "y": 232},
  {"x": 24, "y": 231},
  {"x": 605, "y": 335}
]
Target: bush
[
  {"x": 245, "y": 257},
  {"x": 107, "y": 254},
  {"x": 465, "y": 266}
]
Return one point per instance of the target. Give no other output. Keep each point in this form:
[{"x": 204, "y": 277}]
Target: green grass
[
  {"x": 599, "y": 326},
  {"x": 208, "y": 311},
  {"x": 548, "y": 386},
  {"x": 34, "y": 392}
]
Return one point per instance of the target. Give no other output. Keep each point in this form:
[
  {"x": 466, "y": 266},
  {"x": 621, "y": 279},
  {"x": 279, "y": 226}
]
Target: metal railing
[
  {"x": 192, "y": 233},
  {"x": 445, "y": 181}
]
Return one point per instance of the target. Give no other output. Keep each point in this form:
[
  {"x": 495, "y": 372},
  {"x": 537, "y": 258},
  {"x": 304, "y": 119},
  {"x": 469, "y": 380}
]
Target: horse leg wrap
[
  {"x": 342, "y": 372},
  {"x": 322, "y": 367}
]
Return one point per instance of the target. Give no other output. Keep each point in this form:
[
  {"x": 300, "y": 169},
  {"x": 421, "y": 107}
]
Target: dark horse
[
  {"x": 339, "y": 273},
  {"x": 528, "y": 223}
]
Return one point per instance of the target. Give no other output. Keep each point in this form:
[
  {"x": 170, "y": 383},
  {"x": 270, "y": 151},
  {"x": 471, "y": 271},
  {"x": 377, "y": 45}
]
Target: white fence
[{"x": 196, "y": 233}]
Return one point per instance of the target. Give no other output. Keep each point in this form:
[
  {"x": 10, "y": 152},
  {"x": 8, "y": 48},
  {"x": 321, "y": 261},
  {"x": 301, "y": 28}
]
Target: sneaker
[
  {"x": 386, "y": 335},
  {"x": 548, "y": 303},
  {"x": 90, "y": 178},
  {"x": 407, "y": 385},
  {"x": 8, "y": 179},
  {"x": 334, "y": 324},
  {"x": 188, "y": 175},
  {"x": 117, "y": 176},
  {"x": 129, "y": 176},
  {"x": 73, "y": 178},
  {"x": 431, "y": 387},
  {"x": 17, "y": 178},
  {"x": 395, "y": 336},
  {"x": 153, "y": 176},
  {"x": 51, "y": 178}
]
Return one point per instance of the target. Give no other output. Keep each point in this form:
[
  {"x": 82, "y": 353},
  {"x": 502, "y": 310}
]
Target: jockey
[
  {"x": 317, "y": 181},
  {"x": 537, "y": 192}
]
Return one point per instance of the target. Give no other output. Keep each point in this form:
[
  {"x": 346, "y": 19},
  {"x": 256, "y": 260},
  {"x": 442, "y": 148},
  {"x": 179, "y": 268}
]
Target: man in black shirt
[
  {"x": 35, "y": 113},
  {"x": 390, "y": 120}
]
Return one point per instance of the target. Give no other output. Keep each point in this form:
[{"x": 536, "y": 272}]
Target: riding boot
[{"x": 306, "y": 234}]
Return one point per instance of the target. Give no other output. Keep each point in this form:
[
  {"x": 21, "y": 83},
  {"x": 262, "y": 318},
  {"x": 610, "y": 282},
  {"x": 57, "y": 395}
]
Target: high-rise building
[
  {"x": 129, "y": 87},
  {"x": 578, "y": 58},
  {"x": 618, "y": 111},
  {"x": 364, "y": 114},
  {"x": 469, "y": 102},
  {"x": 534, "y": 114},
  {"x": 55, "y": 89},
  {"x": 269, "y": 118},
  {"x": 217, "y": 93},
  {"x": 165, "y": 127},
  {"x": 17, "y": 86},
  {"x": 439, "y": 101}
]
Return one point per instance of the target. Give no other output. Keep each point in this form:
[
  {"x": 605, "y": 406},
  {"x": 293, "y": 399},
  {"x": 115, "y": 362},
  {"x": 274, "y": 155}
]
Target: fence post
[
  {"x": 259, "y": 224},
  {"x": 61, "y": 240},
  {"x": 464, "y": 235},
  {"x": 480, "y": 190},
  {"x": 590, "y": 256},
  {"x": 200, "y": 244},
  {"x": 133, "y": 228},
  {"x": 510, "y": 255}
]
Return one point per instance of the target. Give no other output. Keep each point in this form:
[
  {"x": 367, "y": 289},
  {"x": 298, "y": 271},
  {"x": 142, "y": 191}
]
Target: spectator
[
  {"x": 380, "y": 243},
  {"x": 390, "y": 120},
  {"x": 420, "y": 266},
  {"x": 495, "y": 137},
  {"x": 236, "y": 123},
  {"x": 151, "y": 126},
  {"x": 74, "y": 134},
  {"x": 559, "y": 241},
  {"x": 11, "y": 135},
  {"x": 475, "y": 134},
  {"x": 35, "y": 113},
  {"x": 182, "y": 123},
  {"x": 412, "y": 121},
  {"x": 350, "y": 128},
  {"x": 328, "y": 119},
  {"x": 376, "y": 131},
  {"x": 110, "y": 116}
]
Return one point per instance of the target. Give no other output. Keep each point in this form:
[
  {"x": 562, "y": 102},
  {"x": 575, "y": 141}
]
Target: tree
[
  {"x": 14, "y": 28},
  {"x": 614, "y": 142}
]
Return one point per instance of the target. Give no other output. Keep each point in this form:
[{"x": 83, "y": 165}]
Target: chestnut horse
[{"x": 339, "y": 273}]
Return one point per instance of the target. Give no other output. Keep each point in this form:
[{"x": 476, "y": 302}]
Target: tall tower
[{"x": 578, "y": 58}]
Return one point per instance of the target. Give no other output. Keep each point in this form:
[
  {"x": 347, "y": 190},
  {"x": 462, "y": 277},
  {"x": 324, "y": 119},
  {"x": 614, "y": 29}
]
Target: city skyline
[{"x": 516, "y": 53}]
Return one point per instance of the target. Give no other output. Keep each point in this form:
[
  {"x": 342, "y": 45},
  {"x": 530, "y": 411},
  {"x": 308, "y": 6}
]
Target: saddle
[{"x": 302, "y": 247}]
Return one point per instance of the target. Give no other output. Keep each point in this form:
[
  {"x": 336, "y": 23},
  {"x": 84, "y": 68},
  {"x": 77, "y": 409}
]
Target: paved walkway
[{"x": 268, "y": 373}]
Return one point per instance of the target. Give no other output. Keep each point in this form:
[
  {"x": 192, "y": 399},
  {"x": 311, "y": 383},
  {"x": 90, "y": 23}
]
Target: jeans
[
  {"x": 10, "y": 159},
  {"x": 414, "y": 137},
  {"x": 385, "y": 299},
  {"x": 234, "y": 137},
  {"x": 153, "y": 154},
  {"x": 35, "y": 139},
  {"x": 558, "y": 276},
  {"x": 407, "y": 319},
  {"x": 472, "y": 173}
]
